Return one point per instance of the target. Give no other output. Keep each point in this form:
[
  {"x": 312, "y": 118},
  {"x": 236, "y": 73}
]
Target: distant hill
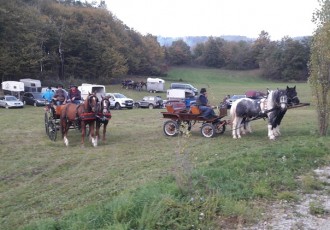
[{"x": 193, "y": 40}]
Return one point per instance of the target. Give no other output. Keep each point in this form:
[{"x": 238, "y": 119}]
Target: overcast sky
[{"x": 178, "y": 18}]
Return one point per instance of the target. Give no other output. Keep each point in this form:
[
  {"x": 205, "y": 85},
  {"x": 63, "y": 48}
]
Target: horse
[
  {"x": 102, "y": 116},
  {"x": 292, "y": 96},
  {"x": 273, "y": 108},
  {"x": 80, "y": 115}
]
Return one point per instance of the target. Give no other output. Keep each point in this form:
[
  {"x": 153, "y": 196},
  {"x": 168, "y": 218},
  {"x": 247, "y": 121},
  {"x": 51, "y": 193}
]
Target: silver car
[
  {"x": 9, "y": 101},
  {"x": 233, "y": 98}
]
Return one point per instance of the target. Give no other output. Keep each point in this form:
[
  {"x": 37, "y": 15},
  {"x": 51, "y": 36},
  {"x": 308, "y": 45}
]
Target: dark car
[
  {"x": 150, "y": 102},
  {"x": 32, "y": 98}
]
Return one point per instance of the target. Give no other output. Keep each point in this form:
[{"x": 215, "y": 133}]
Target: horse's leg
[
  {"x": 83, "y": 132},
  {"x": 91, "y": 128},
  {"x": 104, "y": 130},
  {"x": 248, "y": 127}
]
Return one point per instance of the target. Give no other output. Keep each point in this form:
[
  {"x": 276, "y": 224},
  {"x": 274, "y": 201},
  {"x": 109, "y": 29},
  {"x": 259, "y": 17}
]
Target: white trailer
[
  {"x": 31, "y": 85},
  {"x": 186, "y": 95},
  {"x": 86, "y": 89},
  {"x": 155, "y": 85},
  {"x": 14, "y": 88}
]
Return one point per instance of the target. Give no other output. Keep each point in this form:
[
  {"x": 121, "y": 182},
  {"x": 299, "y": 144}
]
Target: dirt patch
[{"x": 285, "y": 215}]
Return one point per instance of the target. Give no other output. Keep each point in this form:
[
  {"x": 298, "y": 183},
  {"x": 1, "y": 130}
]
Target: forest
[{"x": 70, "y": 41}]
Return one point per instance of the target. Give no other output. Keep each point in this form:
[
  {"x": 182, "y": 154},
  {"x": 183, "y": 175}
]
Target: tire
[
  {"x": 52, "y": 130},
  {"x": 137, "y": 105},
  {"x": 117, "y": 106},
  {"x": 35, "y": 104},
  {"x": 46, "y": 123},
  {"x": 220, "y": 127},
  {"x": 6, "y": 106},
  {"x": 170, "y": 128},
  {"x": 208, "y": 130},
  {"x": 151, "y": 106}
]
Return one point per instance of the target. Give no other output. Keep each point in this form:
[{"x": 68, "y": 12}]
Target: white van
[
  {"x": 185, "y": 86},
  {"x": 86, "y": 89}
]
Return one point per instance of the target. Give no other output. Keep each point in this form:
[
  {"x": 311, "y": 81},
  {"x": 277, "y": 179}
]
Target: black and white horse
[{"x": 273, "y": 107}]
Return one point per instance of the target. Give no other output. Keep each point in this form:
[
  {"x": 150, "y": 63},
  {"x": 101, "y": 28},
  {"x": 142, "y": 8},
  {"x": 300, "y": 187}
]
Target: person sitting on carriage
[
  {"x": 48, "y": 94},
  {"x": 204, "y": 106},
  {"x": 60, "y": 95},
  {"x": 74, "y": 95}
]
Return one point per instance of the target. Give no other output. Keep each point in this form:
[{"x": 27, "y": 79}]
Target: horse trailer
[
  {"x": 155, "y": 85},
  {"x": 31, "y": 85},
  {"x": 86, "y": 89},
  {"x": 14, "y": 88}
]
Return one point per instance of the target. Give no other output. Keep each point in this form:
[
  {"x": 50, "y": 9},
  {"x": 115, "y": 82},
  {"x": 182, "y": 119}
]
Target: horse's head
[
  {"x": 282, "y": 98},
  {"x": 105, "y": 105},
  {"x": 292, "y": 95},
  {"x": 91, "y": 102}
]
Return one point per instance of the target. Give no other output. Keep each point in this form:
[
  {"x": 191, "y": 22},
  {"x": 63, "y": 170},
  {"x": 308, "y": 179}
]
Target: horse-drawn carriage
[
  {"x": 71, "y": 116},
  {"x": 180, "y": 119}
]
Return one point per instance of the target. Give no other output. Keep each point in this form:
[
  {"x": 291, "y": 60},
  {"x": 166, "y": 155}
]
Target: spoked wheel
[
  {"x": 208, "y": 130},
  {"x": 220, "y": 127},
  {"x": 46, "y": 123},
  {"x": 170, "y": 128},
  {"x": 52, "y": 129}
]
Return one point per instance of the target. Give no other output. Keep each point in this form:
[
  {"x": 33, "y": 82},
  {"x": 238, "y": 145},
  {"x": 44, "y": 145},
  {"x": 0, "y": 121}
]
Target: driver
[{"x": 204, "y": 106}]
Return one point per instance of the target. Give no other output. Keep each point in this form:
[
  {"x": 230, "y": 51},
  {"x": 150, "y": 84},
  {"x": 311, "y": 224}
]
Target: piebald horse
[
  {"x": 80, "y": 115},
  {"x": 273, "y": 108}
]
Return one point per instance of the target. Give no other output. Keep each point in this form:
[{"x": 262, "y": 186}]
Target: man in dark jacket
[
  {"x": 203, "y": 104},
  {"x": 75, "y": 95},
  {"x": 60, "y": 95}
]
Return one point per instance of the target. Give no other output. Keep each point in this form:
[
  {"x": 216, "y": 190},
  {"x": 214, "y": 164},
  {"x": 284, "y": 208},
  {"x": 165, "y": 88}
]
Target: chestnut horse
[
  {"x": 80, "y": 115},
  {"x": 102, "y": 116}
]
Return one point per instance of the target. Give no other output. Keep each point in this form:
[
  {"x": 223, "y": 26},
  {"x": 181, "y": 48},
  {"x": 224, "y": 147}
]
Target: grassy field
[{"x": 141, "y": 179}]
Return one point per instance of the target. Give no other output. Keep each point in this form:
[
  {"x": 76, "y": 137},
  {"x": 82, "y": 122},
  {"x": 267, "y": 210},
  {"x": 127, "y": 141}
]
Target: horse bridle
[
  {"x": 105, "y": 105},
  {"x": 90, "y": 100}
]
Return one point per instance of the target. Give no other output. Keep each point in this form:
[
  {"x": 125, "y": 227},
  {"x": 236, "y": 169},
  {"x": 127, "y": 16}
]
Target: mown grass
[{"x": 141, "y": 179}]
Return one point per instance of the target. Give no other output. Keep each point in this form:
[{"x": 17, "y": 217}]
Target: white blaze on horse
[{"x": 273, "y": 108}]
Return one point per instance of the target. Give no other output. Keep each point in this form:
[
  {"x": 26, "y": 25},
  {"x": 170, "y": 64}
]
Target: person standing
[
  {"x": 75, "y": 95},
  {"x": 204, "y": 106},
  {"x": 60, "y": 95}
]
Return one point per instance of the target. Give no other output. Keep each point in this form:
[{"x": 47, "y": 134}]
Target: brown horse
[
  {"x": 103, "y": 116},
  {"x": 80, "y": 115}
]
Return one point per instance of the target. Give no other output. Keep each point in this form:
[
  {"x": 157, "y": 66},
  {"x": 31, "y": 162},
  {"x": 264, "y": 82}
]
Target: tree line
[{"x": 67, "y": 40}]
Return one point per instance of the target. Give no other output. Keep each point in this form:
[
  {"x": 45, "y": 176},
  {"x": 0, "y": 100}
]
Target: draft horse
[
  {"x": 79, "y": 115},
  {"x": 273, "y": 108},
  {"x": 103, "y": 115}
]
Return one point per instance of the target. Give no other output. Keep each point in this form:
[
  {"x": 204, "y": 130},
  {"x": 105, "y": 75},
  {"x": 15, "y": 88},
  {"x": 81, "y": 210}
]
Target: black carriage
[{"x": 180, "y": 119}]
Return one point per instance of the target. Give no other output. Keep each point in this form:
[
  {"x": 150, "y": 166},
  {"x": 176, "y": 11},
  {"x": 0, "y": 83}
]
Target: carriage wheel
[
  {"x": 220, "y": 127},
  {"x": 170, "y": 128},
  {"x": 208, "y": 130},
  {"x": 46, "y": 123},
  {"x": 52, "y": 129}
]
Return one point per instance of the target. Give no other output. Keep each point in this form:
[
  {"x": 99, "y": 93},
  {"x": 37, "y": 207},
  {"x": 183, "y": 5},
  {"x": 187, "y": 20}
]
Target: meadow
[{"x": 141, "y": 179}]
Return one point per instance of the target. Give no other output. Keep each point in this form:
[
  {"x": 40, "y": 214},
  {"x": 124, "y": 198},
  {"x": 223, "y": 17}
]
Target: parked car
[
  {"x": 149, "y": 102},
  {"x": 233, "y": 98},
  {"x": 119, "y": 101},
  {"x": 9, "y": 101},
  {"x": 35, "y": 99}
]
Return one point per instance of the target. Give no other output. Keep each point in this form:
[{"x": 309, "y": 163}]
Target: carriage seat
[
  {"x": 176, "y": 107},
  {"x": 195, "y": 110}
]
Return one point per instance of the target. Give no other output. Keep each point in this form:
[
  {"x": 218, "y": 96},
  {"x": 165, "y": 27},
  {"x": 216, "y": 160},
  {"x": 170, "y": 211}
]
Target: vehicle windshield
[
  {"x": 11, "y": 98},
  {"x": 119, "y": 95},
  {"x": 38, "y": 96}
]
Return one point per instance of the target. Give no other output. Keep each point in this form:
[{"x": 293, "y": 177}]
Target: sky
[{"x": 179, "y": 18}]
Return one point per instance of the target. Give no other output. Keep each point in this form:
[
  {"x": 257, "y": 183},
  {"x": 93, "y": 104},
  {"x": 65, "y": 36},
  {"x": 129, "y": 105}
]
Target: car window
[{"x": 10, "y": 98}]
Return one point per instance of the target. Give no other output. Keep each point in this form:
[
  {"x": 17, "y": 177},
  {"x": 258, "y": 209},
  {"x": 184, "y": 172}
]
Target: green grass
[{"x": 141, "y": 179}]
